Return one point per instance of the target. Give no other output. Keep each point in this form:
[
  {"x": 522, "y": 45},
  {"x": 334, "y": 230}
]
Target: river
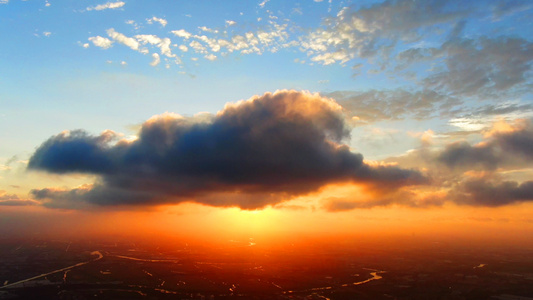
[{"x": 55, "y": 271}]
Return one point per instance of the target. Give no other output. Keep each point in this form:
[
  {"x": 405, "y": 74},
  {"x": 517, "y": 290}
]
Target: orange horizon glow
[{"x": 511, "y": 224}]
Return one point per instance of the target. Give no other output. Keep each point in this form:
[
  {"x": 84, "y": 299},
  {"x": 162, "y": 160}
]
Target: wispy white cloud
[
  {"x": 162, "y": 43},
  {"x": 206, "y": 29},
  {"x": 198, "y": 47},
  {"x": 99, "y": 41},
  {"x": 135, "y": 25},
  {"x": 127, "y": 41},
  {"x": 182, "y": 33},
  {"x": 108, "y": 5},
  {"x": 211, "y": 57},
  {"x": 161, "y": 21},
  {"x": 262, "y": 4},
  {"x": 156, "y": 60}
]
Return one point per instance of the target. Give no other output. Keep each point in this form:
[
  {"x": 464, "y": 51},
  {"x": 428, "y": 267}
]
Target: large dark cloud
[{"x": 251, "y": 154}]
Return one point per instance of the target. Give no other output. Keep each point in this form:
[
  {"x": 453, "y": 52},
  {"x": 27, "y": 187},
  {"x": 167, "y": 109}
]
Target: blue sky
[{"x": 403, "y": 71}]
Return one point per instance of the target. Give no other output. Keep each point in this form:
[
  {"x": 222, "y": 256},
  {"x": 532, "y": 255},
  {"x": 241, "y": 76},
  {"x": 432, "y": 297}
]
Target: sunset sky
[{"x": 267, "y": 117}]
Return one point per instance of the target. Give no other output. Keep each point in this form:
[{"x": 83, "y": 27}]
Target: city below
[{"x": 122, "y": 268}]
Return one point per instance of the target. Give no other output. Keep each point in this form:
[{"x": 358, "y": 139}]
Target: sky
[{"x": 267, "y": 117}]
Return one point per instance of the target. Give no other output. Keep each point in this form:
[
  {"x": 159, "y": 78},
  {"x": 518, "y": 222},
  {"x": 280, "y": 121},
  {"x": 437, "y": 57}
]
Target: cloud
[
  {"x": 394, "y": 35},
  {"x": 211, "y": 57},
  {"x": 502, "y": 149},
  {"x": 484, "y": 192},
  {"x": 402, "y": 197},
  {"x": 378, "y": 105},
  {"x": 14, "y": 200},
  {"x": 127, "y": 41},
  {"x": 108, "y": 5},
  {"x": 156, "y": 60},
  {"x": 162, "y": 43},
  {"x": 267, "y": 39},
  {"x": 373, "y": 31},
  {"x": 101, "y": 42},
  {"x": 253, "y": 153},
  {"x": 493, "y": 172},
  {"x": 161, "y": 21},
  {"x": 486, "y": 67},
  {"x": 262, "y": 4},
  {"x": 182, "y": 33},
  {"x": 210, "y": 42},
  {"x": 463, "y": 155}
]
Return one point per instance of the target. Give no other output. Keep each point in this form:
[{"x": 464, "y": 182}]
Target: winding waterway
[{"x": 375, "y": 276}]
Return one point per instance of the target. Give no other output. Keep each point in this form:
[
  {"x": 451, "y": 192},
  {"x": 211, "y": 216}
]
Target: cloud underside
[{"x": 251, "y": 154}]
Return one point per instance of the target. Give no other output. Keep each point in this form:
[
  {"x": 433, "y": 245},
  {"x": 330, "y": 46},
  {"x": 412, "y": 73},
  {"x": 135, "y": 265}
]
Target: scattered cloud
[
  {"x": 262, "y": 4},
  {"x": 161, "y": 21},
  {"x": 99, "y": 41},
  {"x": 108, "y": 5},
  {"x": 127, "y": 41},
  {"x": 135, "y": 25},
  {"x": 182, "y": 33},
  {"x": 211, "y": 57},
  {"x": 156, "y": 60},
  {"x": 162, "y": 43}
]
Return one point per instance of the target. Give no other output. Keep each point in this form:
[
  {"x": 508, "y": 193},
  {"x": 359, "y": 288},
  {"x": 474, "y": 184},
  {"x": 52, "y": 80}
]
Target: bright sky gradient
[{"x": 344, "y": 115}]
